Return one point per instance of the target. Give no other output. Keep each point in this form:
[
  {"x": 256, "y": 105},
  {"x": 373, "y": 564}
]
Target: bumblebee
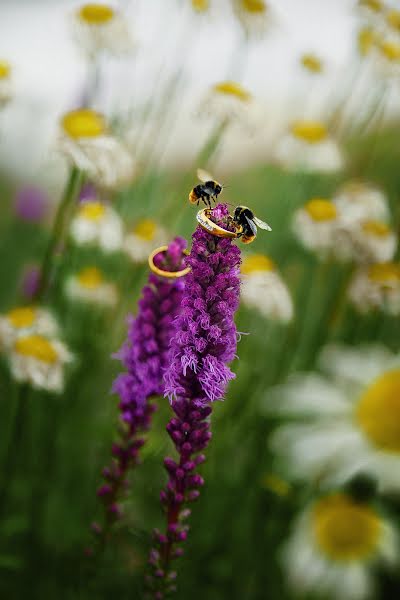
[
  {"x": 247, "y": 223},
  {"x": 206, "y": 191}
]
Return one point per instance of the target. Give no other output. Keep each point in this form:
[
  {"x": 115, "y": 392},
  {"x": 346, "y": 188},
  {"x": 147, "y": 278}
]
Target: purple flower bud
[{"x": 31, "y": 204}]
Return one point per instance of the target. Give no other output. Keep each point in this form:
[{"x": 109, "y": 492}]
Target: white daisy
[
  {"x": 144, "y": 237},
  {"x": 359, "y": 201},
  {"x": 100, "y": 27},
  {"x": 312, "y": 63},
  {"x": 97, "y": 223},
  {"x": 227, "y": 100},
  {"x": 372, "y": 11},
  {"x": 386, "y": 57},
  {"x": 87, "y": 144},
  {"x": 392, "y": 20},
  {"x": 24, "y": 320},
  {"x": 200, "y": 6},
  {"x": 309, "y": 147},
  {"x": 264, "y": 289},
  {"x": 376, "y": 287},
  {"x": 6, "y": 90},
  {"x": 335, "y": 544},
  {"x": 253, "y": 15},
  {"x": 349, "y": 423},
  {"x": 372, "y": 241},
  {"x": 366, "y": 40},
  {"x": 39, "y": 361},
  {"x": 90, "y": 286},
  {"x": 316, "y": 225}
]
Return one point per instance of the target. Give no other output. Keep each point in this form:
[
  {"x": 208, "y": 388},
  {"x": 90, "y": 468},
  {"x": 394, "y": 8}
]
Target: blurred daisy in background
[
  {"x": 88, "y": 145},
  {"x": 144, "y": 237},
  {"x": 264, "y": 289},
  {"x": 200, "y": 6},
  {"x": 366, "y": 40},
  {"x": 315, "y": 225},
  {"x": 372, "y": 11},
  {"x": 311, "y": 63},
  {"x": 23, "y": 320},
  {"x": 347, "y": 423},
  {"x": 254, "y": 16},
  {"x": 98, "y": 224},
  {"x": 372, "y": 241},
  {"x": 376, "y": 287},
  {"x": 360, "y": 201},
  {"x": 100, "y": 27},
  {"x": 386, "y": 57},
  {"x": 335, "y": 545},
  {"x": 309, "y": 147},
  {"x": 39, "y": 361},
  {"x": 6, "y": 90},
  {"x": 227, "y": 101},
  {"x": 90, "y": 286},
  {"x": 392, "y": 20}
]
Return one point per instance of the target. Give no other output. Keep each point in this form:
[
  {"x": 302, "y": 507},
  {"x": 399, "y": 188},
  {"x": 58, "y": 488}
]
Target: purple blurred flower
[
  {"x": 31, "y": 204},
  {"x": 88, "y": 192},
  {"x": 197, "y": 375},
  {"x": 30, "y": 282},
  {"x": 145, "y": 356}
]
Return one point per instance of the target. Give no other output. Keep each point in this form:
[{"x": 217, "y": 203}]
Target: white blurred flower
[
  {"x": 386, "y": 57},
  {"x": 39, "y": 361},
  {"x": 24, "y": 320},
  {"x": 97, "y": 223},
  {"x": 376, "y": 287},
  {"x": 90, "y": 286},
  {"x": 392, "y": 21},
  {"x": 372, "y": 11},
  {"x": 309, "y": 147},
  {"x": 200, "y": 6},
  {"x": 312, "y": 63},
  {"x": 372, "y": 241},
  {"x": 6, "y": 90},
  {"x": 359, "y": 201},
  {"x": 264, "y": 289},
  {"x": 227, "y": 100},
  {"x": 87, "y": 144},
  {"x": 335, "y": 544},
  {"x": 366, "y": 40},
  {"x": 253, "y": 15},
  {"x": 100, "y": 27},
  {"x": 347, "y": 423},
  {"x": 316, "y": 224},
  {"x": 145, "y": 236}
]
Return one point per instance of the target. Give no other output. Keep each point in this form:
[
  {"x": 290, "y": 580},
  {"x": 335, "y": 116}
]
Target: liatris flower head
[{"x": 31, "y": 204}]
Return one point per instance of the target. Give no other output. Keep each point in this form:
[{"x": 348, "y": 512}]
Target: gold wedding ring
[
  {"x": 208, "y": 225},
  {"x": 161, "y": 272}
]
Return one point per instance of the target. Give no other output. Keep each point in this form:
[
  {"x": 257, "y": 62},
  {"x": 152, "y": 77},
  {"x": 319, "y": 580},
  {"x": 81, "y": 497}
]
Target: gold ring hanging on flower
[
  {"x": 203, "y": 218},
  {"x": 162, "y": 272}
]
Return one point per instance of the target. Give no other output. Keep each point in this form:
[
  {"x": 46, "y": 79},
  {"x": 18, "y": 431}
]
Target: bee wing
[
  {"x": 251, "y": 225},
  {"x": 262, "y": 224},
  {"x": 204, "y": 176}
]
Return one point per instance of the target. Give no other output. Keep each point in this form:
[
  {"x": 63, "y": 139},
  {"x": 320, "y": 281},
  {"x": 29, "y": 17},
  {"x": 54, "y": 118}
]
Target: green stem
[{"x": 70, "y": 193}]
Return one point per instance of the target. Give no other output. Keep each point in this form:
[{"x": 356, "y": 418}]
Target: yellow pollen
[
  {"x": 344, "y": 529},
  {"x": 92, "y": 211},
  {"x": 391, "y": 50},
  {"x": 384, "y": 273},
  {"x": 393, "y": 19},
  {"x": 312, "y": 132},
  {"x": 230, "y": 88},
  {"x": 200, "y": 5},
  {"x": 96, "y": 14},
  {"x": 37, "y": 347},
  {"x": 366, "y": 39},
  {"x": 378, "y": 412},
  {"x": 275, "y": 484},
  {"x": 145, "y": 229},
  {"x": 83, "y": 123},
  {"x": 376, "y": 228},
  {"x": 374, "y": 5},
  {"x": 22, "y": 317},
  {"x": 5, "y": 69},
  {"x": 311, "y": 63},
  {"x": 90, "y": 278},
  {"x": 256, "y": 263},
  {"x": 254, "y": 6},
  {"x": 320, "y": 209}
]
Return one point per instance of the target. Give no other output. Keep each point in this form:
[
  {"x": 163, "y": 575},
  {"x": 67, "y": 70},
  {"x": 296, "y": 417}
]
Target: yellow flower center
[
  {"x": 344, "y": 529},
  {"x": 254, "y": 6},
  {"x": 37, "y": 347},
  {"x": 374, "y": 5},
  {"x": 145, "y": 229},
  {"x": 311, "y": 63},
  {"x": 83, "y": 123},
  {"x": 257, "y": 262},
  {"x": 393, "y": 19},
  {"x": 384, "y": 273},
  {"x": 321, "y": 210},
  {"x": 366, "y": 39},
  {"x": 391, "y": 50},
  {"x": 92, "y": 211},
  {"x": 310, "y": 131},
  {"x": 22, "y": 317},
  {"x": 230, "y": 88},
  {"x": 96, "y": 14},
  {"x": 200, "y": 5},
  {"x": 378, "y": 412},
  {"x": 5, "y": 69},
  {"x": 90, "y": 278},
  {"x": 275, "y": 484},
  {"x": 376, "y": 228}
]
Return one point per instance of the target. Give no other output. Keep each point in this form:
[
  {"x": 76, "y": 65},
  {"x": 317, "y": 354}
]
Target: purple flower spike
[
  {"x": 30, "y": 282},
  {"x": 197, "y": 375},
  {"x": 31, "y": 204},
  {"x": 145, "y": 356}
]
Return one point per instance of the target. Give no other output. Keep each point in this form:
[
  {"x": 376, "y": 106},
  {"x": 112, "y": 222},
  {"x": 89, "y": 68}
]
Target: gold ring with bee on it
[
  {"x": 211, "y": 227},
  {"x": 161, "y": 272}
]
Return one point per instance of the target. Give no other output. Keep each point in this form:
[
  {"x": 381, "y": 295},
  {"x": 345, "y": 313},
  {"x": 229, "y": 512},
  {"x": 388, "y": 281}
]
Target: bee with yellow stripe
[
  {"x": 206, "y": 191},
  {"x": 247, "y": 223}
]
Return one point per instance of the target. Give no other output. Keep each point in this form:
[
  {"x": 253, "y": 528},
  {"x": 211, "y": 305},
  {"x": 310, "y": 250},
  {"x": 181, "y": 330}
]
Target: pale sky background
[{"x": 50, "y": 72}]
